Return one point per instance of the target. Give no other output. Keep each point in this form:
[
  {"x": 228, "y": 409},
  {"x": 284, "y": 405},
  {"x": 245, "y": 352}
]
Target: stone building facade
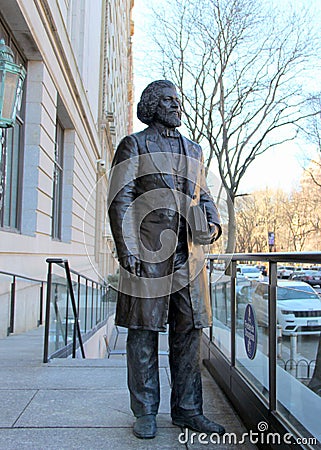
[{"x": 77, "y": 104}]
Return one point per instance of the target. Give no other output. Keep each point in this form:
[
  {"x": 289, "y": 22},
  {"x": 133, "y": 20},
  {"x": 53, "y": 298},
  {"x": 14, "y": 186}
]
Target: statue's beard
[{"x": 169, "y": 119}]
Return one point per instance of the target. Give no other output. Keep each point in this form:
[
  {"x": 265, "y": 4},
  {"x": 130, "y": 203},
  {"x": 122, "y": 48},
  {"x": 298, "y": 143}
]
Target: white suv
[
  {"x": 298, "y": 307},
  {"x": 249, "y": 273},
  {"x": 284, "y": 271}
]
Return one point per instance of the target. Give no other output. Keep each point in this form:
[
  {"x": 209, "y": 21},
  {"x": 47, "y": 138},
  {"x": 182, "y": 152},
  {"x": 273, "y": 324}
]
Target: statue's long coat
[{"x": 143, "y": 206}]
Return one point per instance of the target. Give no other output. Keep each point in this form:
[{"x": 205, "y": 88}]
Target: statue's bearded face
[{"x": 168, "y": 111}]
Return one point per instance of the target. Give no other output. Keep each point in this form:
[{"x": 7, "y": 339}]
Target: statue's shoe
[
  {"x": 145, "y": 427},
  {"x": 198, "y": 423}
]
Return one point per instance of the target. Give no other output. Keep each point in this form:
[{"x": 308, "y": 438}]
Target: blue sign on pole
[
  {"x": 250, "y": 332},
  {"x": 271, "y": 238}
]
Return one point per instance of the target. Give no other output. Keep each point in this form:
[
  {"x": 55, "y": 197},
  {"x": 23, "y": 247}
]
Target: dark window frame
[{"x": 57, "y": 183}]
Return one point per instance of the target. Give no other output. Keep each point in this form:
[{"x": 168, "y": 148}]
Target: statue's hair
[{"x": 149, "y": 100}]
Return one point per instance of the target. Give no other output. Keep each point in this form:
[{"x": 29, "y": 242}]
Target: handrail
[
  {"x": 303, "y": 257},
  {"x": 15, "y": 276},
  {"x": 89, "y": 309},
  {"x": 24, "y": 277},
  {"x": 60, "y": 261}
]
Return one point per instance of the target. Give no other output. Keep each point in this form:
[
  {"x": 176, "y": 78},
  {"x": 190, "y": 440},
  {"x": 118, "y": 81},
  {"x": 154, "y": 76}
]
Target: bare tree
[
  {"x": 299, "y": 220},
  {"x": 293, "y": 218},
  {"x": 247, "y": 238},
  {"x": 241, "y": 69},
  {"x": 312, "y": 132},
  {"x": 257, "y": 215}
]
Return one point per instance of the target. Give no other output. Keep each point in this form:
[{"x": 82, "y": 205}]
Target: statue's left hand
[{"x": 208, "y": 238}]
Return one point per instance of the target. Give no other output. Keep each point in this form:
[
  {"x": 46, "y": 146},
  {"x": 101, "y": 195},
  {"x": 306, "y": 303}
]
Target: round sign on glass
[{"x": 250, "y": 332}]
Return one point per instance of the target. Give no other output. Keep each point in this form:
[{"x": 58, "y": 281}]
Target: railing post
[
  {"x": 12, "y": 305},
  {"x": 233, "y": 311},
  {"x": 92, "y": 305},
  {"x": 78, "y": 295},
  {"x": 78, "y": 292},
  {"x": 67, "y": 314},
  {"x": 86, "y": 304},
  {"x": 41, "y": 305},
  {"x": 74, "y": 334},
  {"x": 211, "y": 299},
  {"x": 272, "y": 334},
  {"x": 47, "y": 313},
  {"x": 97, "y": 304},
  {"x": 74, "y": 339}
]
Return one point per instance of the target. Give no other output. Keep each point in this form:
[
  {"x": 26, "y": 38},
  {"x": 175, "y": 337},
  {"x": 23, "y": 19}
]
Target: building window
[
  {"x": 58, "y": 183},
  {"x": 11, "y": 155},
  {"x": 10, "y": 176}
]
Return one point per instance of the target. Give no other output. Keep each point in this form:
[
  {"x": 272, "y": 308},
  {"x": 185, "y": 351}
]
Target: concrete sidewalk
[{"x": 84, "y": 404}]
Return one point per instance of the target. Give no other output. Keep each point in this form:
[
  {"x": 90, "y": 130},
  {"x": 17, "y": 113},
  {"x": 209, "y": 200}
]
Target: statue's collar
[{"x": 165, "y": 131}]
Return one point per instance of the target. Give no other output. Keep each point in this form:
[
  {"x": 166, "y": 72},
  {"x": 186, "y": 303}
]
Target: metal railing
[
  {"x": 14, "y": 314},
  {"x": 76, "y": 306},
  {"x": 263, "y": 386}
]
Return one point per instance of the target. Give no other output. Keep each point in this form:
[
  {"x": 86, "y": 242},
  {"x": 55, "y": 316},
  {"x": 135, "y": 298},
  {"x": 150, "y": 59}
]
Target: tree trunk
[{"x": 231, "y": 234}]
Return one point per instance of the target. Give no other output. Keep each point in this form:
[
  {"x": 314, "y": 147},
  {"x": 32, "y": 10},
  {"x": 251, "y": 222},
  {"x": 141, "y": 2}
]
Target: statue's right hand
[{"x": 131, "y": 263}]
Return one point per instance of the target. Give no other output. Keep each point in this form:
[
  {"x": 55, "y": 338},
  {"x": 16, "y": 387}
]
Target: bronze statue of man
[{"x": 157, "y": 194}]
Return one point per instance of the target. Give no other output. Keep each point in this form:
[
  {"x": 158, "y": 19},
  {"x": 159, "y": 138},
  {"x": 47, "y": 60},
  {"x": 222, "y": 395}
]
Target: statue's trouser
[{"x": 184, "y": 359}]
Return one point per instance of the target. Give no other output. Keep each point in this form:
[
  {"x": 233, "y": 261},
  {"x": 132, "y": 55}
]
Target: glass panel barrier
[
  {"x": 26, "y": 305},
  {"x": 298, "y": 367},
  {"x": 111, "y": 298},
  {"x": 21, "y": 304},
  {"x": 89, "y": 309},
  {"x": 59, "y": 326},
  {"x": 251, "y": 339},
  {"x": 279, "y": 357},
  {"x": 91, "y": 302},
  {"x": 81, "y": 298},
  {"x": 221, "y": 306}
]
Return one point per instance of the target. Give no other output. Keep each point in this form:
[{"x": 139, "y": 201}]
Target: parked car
[
  {"x": 298, "y": 307},
  {"x": 243, "y": 292},
  {"x": 285, "y": 271},
  {"x": 311, "y": 277},
  {"x": 248, "y": 272}
]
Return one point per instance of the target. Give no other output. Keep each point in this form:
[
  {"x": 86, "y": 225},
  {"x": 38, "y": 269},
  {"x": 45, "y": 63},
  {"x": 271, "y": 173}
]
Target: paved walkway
[{"x": 83, "y": 404}]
